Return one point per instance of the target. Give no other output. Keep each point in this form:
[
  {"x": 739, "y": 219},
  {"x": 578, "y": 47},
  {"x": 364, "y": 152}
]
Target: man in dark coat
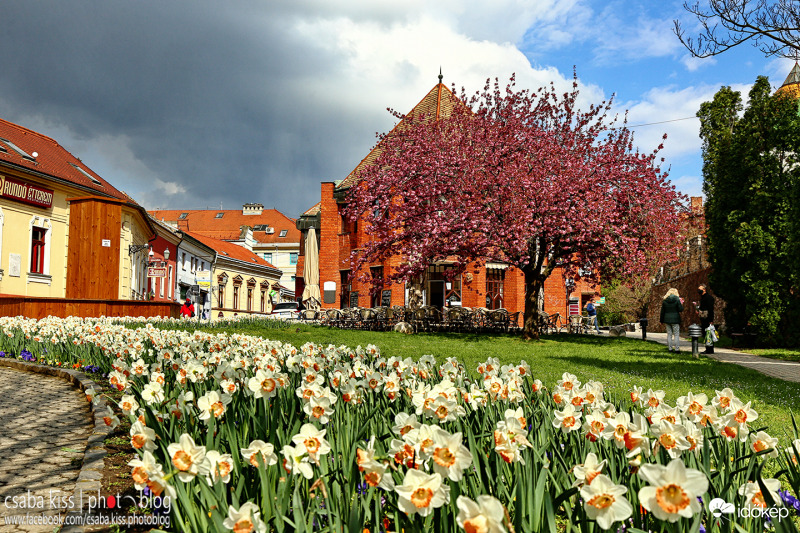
[{"x": 706, "y": 311}]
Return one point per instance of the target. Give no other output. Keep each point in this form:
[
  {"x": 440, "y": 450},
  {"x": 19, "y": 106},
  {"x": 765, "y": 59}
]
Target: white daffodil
[
  {"x": 295, "y": 461},
  {"x": 312, "y": 441},
  {"x": 672, "y": 491},
  {"x": 220, "y": 467},
  {"x": 128, "y": 404},
  {"x": 421, "y": 493},
  {"x": 212, "y": 404},
  {"x": 568, "y": 419},
  {"x": 484, "y": 516},
  {"x": 761, "y": 441},
  {"x": 605, "y": 502},
  {"x": 266, "y": 449},
  {"x": 188, "y": 458},
  {"x": 142, "y": 437},
  {"x": 754, "y": 497},
  {"x": 591, "y": 468},
  {"x": 246, "y": 519},
  {"x": 450, "y": 457}
]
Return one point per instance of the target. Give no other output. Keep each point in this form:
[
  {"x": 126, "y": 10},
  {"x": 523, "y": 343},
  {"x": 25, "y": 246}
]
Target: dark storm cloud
[{"x": 217, "y": 97}]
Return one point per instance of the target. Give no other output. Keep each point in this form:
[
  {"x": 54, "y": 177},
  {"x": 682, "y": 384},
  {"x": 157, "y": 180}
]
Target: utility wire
[{"x": 662, "y": 122}]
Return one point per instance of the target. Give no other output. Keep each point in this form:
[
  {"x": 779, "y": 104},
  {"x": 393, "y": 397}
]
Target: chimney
[
  {"x": 697, "y": 205},
  {"x": 252, "y": 209}
]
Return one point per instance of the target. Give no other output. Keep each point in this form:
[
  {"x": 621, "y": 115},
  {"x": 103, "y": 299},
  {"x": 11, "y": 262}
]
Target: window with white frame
[{"x": 39, "y": 251}]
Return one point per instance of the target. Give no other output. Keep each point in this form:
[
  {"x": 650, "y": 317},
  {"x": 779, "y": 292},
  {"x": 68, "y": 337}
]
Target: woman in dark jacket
[
  {"x": 705, "y": 310},
  {"x": 671, "y": 309}
]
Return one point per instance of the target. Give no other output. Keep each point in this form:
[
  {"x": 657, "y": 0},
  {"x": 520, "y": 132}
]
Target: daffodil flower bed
[{"x": 246, "y": 434}]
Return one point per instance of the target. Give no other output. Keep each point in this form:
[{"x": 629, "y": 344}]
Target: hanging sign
[
  {"x": 26, "y": 193},
  {"x": 156, "y": 272},
  {"x": 203, "y": 278}
]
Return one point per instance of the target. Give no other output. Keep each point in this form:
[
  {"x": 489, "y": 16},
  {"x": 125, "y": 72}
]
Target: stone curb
[{"x": 93, "y": 458}]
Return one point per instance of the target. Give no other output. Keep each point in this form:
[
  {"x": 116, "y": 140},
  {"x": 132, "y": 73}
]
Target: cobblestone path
[{"x": 44, "y": 427}]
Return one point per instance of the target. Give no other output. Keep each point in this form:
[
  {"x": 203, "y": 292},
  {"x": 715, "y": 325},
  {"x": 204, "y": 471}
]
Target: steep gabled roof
[
  {"x": 18, "y": 144},
  {"x": 791, "y": 85},
  {"x": 313, "y": 210},
  {"x": 228, "y": 227},
  {"x": 439, "y": 102},
  {"x": 228, "y": 249}
]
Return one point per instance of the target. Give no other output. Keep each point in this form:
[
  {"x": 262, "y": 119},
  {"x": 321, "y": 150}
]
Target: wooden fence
[{"x": 33, "y": 307}]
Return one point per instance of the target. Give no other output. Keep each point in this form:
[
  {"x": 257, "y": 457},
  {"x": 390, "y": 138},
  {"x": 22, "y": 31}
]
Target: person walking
[
  {"x": 591, "y": 312},
  {"x": 187, "y": 309},
  {"x": 671, "y": 309},
  {"x": 705, "y": 310}
]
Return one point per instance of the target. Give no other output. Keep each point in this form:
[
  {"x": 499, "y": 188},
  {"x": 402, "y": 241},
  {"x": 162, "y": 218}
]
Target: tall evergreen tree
[{"x": 751, "y": 168}]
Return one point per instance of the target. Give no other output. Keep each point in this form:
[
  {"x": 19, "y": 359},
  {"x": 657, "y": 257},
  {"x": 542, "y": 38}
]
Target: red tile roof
[
  {"x": 205, "y": 222},
  {"x": 439, "y": 102},
  {"x": 229, "y": 249},
  {"x": 51, "y": 159}
]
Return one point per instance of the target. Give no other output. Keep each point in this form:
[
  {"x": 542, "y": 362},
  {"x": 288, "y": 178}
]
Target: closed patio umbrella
[{"x": 311, "y": 295}]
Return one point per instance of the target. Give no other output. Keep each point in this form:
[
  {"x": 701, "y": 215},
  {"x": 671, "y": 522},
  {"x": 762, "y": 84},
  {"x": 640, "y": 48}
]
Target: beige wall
[
  {"x": 226, "y": 307},
  {"x": 133, "y": 268},
  {"x": 16, "y": 221}
]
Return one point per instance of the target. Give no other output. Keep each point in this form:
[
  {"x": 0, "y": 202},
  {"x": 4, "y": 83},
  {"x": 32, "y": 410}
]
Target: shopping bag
[{"x": 711, "y": 335}]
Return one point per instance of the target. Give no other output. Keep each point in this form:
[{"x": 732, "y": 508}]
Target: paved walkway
[
  {"x": 786, "y": 370},
  {"x": 44, "y": 427}
]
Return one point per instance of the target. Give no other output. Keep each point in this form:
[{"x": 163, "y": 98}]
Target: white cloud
[{"x": 693, "y": 64}]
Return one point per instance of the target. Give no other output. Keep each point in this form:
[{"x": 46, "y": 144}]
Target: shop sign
[
  {"x": 203, "y": 278},
  {"x": 25, "y": 192},
  {"x": 156, "y": 272}
]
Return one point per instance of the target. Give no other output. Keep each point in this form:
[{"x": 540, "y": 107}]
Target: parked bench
[{"x": 745, "y": 338}]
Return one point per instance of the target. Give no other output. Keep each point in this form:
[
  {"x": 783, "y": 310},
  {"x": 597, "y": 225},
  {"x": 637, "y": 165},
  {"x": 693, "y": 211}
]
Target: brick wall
[
  {"x": 687, "y": 289},
  {"x": 336, "y": 244}
]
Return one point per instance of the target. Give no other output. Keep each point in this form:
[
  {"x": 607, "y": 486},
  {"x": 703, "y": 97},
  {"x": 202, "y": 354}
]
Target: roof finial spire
[{"x": 440, "y": 74}]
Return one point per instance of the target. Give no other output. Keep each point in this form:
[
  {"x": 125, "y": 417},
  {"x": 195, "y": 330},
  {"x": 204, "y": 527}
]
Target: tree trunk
[{"x": 534, "y": 285}]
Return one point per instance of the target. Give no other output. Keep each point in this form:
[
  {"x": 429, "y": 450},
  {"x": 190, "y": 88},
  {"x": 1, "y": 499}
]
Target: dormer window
[
  {"x": 20, "y": 151},
  {"x": 283, "y": 233},
  {"x": 91, "y": 178}
]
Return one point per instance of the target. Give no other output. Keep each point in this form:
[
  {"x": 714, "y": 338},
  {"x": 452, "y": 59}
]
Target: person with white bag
[{"x": 705, "y": 310}]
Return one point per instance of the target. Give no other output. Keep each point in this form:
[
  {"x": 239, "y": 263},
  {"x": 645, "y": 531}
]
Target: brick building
[{"x": 493, "y": 285}]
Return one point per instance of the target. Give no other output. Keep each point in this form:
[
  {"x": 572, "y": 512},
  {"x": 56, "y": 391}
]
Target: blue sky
[{"x": 194, "y": 104}]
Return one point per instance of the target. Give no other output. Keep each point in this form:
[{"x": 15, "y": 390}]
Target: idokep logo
[{"x": 719, "y": 508}]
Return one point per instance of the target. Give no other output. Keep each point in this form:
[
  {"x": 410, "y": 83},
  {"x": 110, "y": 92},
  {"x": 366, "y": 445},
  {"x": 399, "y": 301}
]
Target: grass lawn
[
  {"x": 784, "y": 354},
  {"x": 619, "y": 363}
]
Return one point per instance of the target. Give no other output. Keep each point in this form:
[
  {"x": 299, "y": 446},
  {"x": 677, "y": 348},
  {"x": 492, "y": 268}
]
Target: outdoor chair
[
  {"x": 554, "y": 323},
  {"x": 333, "y": 318},
  {"x": 308, "y": 315},
  {"x": 575, "y": 324},
  {"x": 498, "y": 320},
  {"x": 368, "y": 319}
]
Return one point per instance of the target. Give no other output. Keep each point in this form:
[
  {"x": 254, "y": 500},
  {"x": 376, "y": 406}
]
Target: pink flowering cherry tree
[{"x": 515, "y": 176}]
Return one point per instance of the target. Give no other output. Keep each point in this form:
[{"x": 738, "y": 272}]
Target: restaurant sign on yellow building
[{"x": 26, "y": 192}]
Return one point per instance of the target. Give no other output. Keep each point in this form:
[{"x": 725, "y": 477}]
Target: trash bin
[{"x": 643, "y": 325}]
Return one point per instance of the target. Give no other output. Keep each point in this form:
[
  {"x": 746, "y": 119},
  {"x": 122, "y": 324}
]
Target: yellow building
[
  {"x": 241, "y": 281},
  {"x": 65, "y": 232}
]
